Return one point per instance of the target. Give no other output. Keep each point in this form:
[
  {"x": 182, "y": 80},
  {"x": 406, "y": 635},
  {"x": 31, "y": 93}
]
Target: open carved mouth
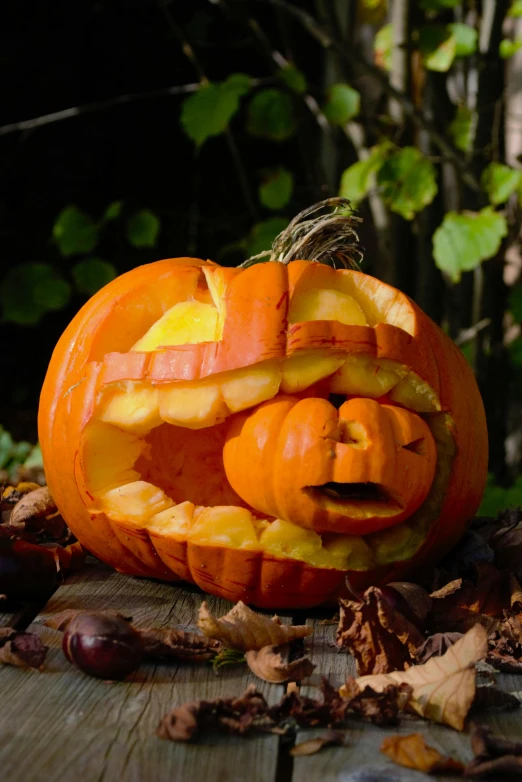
[{"x": 355, "y": 495}]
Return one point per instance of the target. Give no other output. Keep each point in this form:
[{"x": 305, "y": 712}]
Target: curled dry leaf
[
  {"x": 23, "y": 650},
  {"x": 516, "y": 594},
  {"x": 245, "y": 629},
  {"x": 36, "y": 504},
  {"x": 170, "y": 644},
  {"x": 69, "y": 558},
  {"x": 415, "y": 597},
  {"x": 311, "y": 712},
  {"x": 443, "y": 689},
  {"x": 412, "y": 752},
  {"x": 495, "y": 756},
  {"x": 223, "y": 715},
  {"x": 269, "y": 663},
  {"x": 381, "y": 708},
  {"x": 460, "y": 604},
  {"x": 506, "y": 540},
  {"x": 436, "y": 645},
  {"x": 312, "y": 746},
  {"x": 380, "y": 638}
]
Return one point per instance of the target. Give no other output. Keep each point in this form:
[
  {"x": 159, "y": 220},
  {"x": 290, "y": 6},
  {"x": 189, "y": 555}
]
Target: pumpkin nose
[{"x": 358, "y": 469}]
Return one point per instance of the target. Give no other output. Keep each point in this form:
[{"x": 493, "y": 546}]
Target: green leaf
[
  {"x": 464, "y": 240},
  {"x": 113, "y": 211},
  {"x": 465, "y": 38},
  {"x": 357, "y": 180},
  {"x": 515, "y": 303},
  {"x": 92, "y": 274},
  {"x": 271, "y": 115},
  {"x": 343, "y": 104},
  {"x": 263, "y": 234},
  {"x": 407, "y": 181},
  {"x": 382, "y": 47},
  {"x": 276, "y": 189},
  {"x": 34, "y": 457},
  {"x": 209, "y": 111},
  {"x": 515, "y": 9},
  {"x": 75, "y": 232},
  {"x": 500, "y": 181},
  {"x": 498, "y": 498},
  {"x": 438, "y": 47},
  {"x": 293, "y": 78},
  {"x": 508, "y": 48},
  {"x": 30, "y": 290},
  {"x": 460, "y": 128},
  {"x": 143, "y": 228},
  {"x": 6, "y": 447}
]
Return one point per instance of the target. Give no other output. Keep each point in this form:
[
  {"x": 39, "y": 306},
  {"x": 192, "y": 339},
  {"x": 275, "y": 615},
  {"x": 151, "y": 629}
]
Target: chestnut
[{"x": 104, "y": 645}]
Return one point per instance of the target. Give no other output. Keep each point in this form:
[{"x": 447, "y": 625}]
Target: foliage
[
  {"x": 31, "y": 290},
  {"x": 343, "y": 104},
  {"x": 464, "y": 240},
  {"x": 498, "y": 498},
  {"x": 15, "y": 454},
  {"x": 209, "y": 111}
]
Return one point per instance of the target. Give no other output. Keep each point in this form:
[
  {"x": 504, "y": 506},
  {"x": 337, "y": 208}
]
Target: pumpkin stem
[{"x": 328, "y": 238}]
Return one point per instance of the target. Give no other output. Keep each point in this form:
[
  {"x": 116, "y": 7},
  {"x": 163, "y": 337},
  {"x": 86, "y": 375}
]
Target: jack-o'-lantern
[{"x": 262, "y": 431}]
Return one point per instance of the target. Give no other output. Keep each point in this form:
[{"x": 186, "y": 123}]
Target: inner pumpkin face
[{"x": 301, "y": 418}]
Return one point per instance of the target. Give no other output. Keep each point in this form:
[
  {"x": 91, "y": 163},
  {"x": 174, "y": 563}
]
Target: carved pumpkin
[{"x": 263, "y": 431}]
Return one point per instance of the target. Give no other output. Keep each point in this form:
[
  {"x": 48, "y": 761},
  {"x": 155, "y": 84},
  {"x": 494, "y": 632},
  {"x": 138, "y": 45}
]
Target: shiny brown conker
[{"x": 103, "y": 645}]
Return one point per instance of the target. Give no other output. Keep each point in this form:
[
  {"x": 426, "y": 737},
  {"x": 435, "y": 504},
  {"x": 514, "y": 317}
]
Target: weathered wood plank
[
  {"x": 61, "y": 724},
  {"x": 360, "y": 759}
]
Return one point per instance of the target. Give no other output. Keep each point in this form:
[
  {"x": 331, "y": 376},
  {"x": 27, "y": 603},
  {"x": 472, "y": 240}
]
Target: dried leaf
[
  {"x": 245, "y": 629},
  {"x": 269, "y": 663},
  {"x": 443, "y": 688},
  {"x": 436, "y": 645},
  {"x": 516, "y": 593},
  {"x": 412, "y": 752},
  {"x": 460, "y": 604},
  {"x": 495, "y": 756},
  {"x": 381, "y": 708},
  {"x": 169, "y": 644},
  {"x": 380, "y": 638},
  {"x": 36, "y": 504},
  {"x": 312, "y": 713},
  {"x": 23, "y": 650},
  {"x": 312, "y": 746},
  {"x": 417, "y": 599},
  {"x": 224, "y": 715},
  {"x": 70, "y": 557},
  {"x": 506, "y": 540}
]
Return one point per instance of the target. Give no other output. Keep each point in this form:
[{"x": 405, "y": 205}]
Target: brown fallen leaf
[
  {"x": 412, "y": 752},
  {"x": 436, "y": 645},
  {"x": 69, "y": 558},
  {"x": 379, "y": 637},
  {"x": 170, "y": 644},
  {"x": 313, "y": 746},
  {"x": 269, "y": 663},
  {"x": 381, "y": 708},
  {"x": 495, "y": 756},
  {"x": 23, "y": 650},
  {"x": 506, "y": 540},
  {"x": 516, "y": 593},
  {"x": 245, "y": 629},
  {"x": 311, "y": 712},
  {"x": 462, "y": 603},
  {"x": 223, "y": 715},
  {"x": 443, "y": 689},
  {"x": 36, "y": 504}
]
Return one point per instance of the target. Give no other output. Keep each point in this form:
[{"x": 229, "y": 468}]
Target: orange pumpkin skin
[{"x": 94, "y": 351}]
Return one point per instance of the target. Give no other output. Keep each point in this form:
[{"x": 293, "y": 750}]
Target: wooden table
[{"x": 62, "y": 725}]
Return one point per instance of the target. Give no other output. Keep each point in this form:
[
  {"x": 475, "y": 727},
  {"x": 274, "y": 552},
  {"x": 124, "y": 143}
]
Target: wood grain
[
  {"x": 360, "y": 760},
  {"x": 61, "y": 724}
]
